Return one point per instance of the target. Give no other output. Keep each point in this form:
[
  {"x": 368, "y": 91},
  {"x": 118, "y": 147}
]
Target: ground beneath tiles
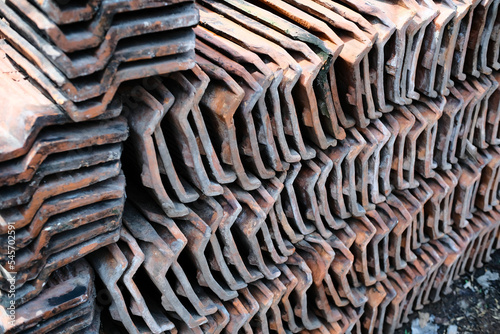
[{"x": 472, "y": 308}]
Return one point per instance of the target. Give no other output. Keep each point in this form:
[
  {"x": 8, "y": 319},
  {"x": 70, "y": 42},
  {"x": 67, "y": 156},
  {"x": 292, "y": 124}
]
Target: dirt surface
[{"x": 473, "y": 307}]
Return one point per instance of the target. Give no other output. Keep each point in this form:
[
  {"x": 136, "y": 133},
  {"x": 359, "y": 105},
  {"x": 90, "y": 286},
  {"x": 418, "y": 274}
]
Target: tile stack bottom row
[{"x": 233, "y": 166}]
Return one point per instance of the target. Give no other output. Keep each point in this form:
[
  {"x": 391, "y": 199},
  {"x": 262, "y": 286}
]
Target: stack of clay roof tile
[
  {"x": 81, "y": 53},
  {"x": 62, "y": 190},
  {"x": 61, "y": 197},
  {"x": 321, "y": 167}
]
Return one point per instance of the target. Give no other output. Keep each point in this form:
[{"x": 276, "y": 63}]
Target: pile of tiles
[
  {"x": 62, "y": 193},
  {"x": 309, "y": 166},
  {"x": 62, "y": 189},
  {"x": 325, "y": 167}
]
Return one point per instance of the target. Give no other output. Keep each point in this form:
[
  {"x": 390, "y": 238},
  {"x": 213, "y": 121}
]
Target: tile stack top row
[{"x": 79, "y": 55}]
